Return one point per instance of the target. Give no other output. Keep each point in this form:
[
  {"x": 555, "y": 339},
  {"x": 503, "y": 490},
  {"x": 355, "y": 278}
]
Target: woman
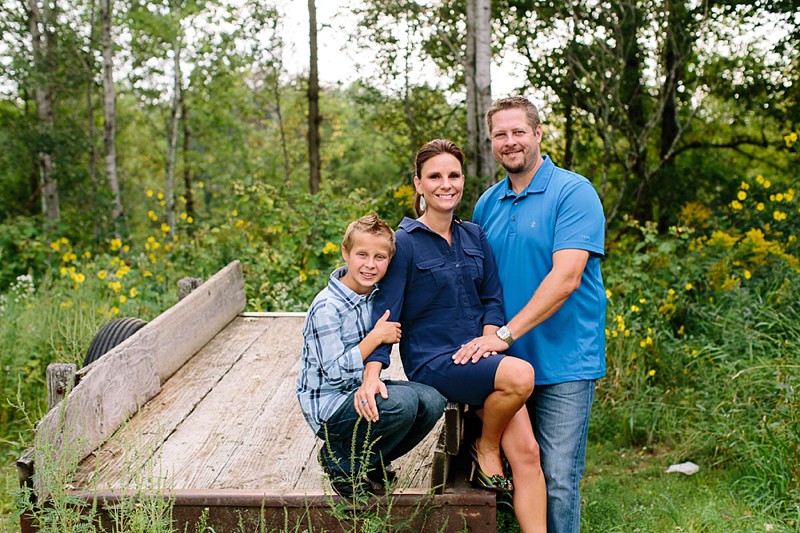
[{"x": 442, "y": 285}]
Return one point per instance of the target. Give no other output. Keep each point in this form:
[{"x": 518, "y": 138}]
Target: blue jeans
[
  {"x": 405, "y": 419},
  {"x": 560, "y": 418}
]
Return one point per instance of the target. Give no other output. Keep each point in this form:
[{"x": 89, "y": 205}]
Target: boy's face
[{"x": 367, "y": 262}]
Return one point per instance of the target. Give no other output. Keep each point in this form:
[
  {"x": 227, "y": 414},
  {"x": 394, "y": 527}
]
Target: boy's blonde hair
[{"x": 371, "y": 224}]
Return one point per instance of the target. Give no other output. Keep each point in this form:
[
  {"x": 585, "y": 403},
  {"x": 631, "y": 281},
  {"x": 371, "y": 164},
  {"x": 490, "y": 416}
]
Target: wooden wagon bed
[{"x": 218, "y": 428}]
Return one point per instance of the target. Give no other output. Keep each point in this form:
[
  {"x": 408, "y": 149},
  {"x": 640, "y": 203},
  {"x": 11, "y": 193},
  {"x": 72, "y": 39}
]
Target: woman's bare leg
[
  {"x": 530, "y": 492},
  {"x": 513, "y": 384}
]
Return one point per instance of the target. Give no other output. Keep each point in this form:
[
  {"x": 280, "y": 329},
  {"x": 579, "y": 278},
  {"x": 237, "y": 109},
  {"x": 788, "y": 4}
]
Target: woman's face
[{"x": 441, "y": 183}]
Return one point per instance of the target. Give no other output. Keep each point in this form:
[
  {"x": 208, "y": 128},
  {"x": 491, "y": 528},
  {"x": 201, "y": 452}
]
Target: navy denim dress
[{"x": 442, "y": 295}]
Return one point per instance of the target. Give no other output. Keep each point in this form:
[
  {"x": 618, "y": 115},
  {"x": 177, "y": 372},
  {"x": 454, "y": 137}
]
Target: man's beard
[{"x": 517, "y": 169}]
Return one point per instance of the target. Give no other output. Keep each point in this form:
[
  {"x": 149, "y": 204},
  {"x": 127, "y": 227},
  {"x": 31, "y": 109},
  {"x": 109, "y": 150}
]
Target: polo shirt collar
[
  {"x": 539, "y": 182},
  {"x": 347, "y": 295}
]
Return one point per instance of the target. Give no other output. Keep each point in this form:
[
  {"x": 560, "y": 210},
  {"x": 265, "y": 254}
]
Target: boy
[{"x": 334, "y": 387}]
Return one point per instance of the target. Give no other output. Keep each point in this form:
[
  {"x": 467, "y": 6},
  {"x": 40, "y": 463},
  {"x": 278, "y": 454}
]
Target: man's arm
[{"x": 564, "y": 278}]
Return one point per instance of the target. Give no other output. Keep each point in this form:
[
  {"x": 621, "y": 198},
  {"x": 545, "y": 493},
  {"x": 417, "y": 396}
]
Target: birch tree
[
  {"x": 172, "y": 131},
  {"x": 41, "y": 21},
  {"x": 477, "y": 70},
  {"x": 110, "y": 118}
]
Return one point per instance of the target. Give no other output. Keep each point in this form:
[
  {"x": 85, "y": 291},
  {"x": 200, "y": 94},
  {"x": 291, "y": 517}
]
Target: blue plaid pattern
[{"x": 331, "y": 363}]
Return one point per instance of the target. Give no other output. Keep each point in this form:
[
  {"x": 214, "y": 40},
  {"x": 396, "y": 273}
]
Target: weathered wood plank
[
  {"x": 114, "y": 387},
  {"x": 133, "y": 447},
  {"x": 229, "y": 419}
]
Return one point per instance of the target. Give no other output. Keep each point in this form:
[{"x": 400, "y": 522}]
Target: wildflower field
[{"x": 703, "y": 334}]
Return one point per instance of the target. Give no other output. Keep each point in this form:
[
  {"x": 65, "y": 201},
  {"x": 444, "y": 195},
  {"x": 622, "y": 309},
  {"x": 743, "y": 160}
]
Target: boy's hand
[
  {"x": 364, "y": 401},
  {"x": 387, "y": 332}
]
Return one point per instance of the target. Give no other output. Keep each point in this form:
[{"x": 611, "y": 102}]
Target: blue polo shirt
[{"x": 558, "y": 210}]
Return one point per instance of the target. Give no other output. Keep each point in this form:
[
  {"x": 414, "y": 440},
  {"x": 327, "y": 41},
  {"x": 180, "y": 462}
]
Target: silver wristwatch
[{"x": 505, "y": 335}]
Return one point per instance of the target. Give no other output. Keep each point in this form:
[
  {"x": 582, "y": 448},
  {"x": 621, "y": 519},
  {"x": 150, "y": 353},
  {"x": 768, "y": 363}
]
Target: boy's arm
[
  {"x": 384, "y": 332},
  {"x": 323, "y": 338},
  {"x": 372, "y": 385}
]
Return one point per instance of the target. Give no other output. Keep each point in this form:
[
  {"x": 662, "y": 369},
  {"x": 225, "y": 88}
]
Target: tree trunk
[
  {"x": 276, "y": 90},
  {"x": 110, "y": 119},
  {"x": 314, "y": 119},
  {"x": 43, "y": 50},
  {"x": 187, "y": 168},
  {"x": 479, "y": 95},
  {"x": 89, "y": 65},
  {"x": 172, "y": 134}
]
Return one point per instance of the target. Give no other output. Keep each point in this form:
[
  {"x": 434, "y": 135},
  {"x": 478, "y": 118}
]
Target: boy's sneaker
[
  {"x": 342, "y": 484},
  {"x": 381, "y": 476}
]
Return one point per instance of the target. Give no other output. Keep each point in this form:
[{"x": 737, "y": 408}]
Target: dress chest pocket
[
  {"x": 473, "y": 263},
  {"x": 428, "y": 279}
]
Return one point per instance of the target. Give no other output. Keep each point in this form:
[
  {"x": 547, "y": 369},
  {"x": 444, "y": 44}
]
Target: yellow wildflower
[
  {"x": 189, "y": 220},
  {"x": 56, "y": 246},
  {"x": 608, "y": 294},
  {"x": 160, "y": 196},
  {"x": 779, "y": 215},
  {"x": 635, "y": 308},
  {"x": 330, "y": 248},
  {"x": 149, "y": 193},
  {"x": 122, "y": 298},
  {"x": 744, "y": 186},
  {"x": 651, "y": 373},
  {"x": 767, "y": 184},
  {"x": 133, "y": 292},
  {"x": 760, "y": 179},
  {"x": 741, "y": 195},
  {"x": 116, "y": 244},
  {"x": 760, "y": 206},
  {"x": 239, "y": 223},
  {"x": 165, "y": 228},
  {"x": 688, "y": 286},
  {"x": 736, "y": 205},
  {"x": 102, "y": 274},
  {"x": 747, "y": 274}
]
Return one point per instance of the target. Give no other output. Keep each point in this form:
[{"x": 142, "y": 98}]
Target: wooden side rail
[{"x": 114, "y": 387}]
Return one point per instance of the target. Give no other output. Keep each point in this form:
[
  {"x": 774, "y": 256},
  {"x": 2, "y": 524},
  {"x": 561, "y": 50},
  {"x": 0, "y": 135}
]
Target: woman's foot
[{"x": 496, "y": 482}]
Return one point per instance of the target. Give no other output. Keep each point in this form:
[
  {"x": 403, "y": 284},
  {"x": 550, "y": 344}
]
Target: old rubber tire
[{"x": 111, "y": 335}]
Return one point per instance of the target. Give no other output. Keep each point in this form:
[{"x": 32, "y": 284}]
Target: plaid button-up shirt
[{"x": 331, "y": 362}]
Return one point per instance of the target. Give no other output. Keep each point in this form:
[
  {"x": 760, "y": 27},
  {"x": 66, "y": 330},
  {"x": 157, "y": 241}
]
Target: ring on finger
[{"x": 363, "y": 402}]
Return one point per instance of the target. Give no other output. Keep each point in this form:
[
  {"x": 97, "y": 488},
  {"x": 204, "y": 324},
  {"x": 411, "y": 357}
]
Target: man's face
[{"x": 515, "y": 143}]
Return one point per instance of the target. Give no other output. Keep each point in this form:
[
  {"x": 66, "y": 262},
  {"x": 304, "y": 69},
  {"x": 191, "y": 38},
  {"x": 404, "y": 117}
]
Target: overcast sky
[{"x": 341, "y": 61}]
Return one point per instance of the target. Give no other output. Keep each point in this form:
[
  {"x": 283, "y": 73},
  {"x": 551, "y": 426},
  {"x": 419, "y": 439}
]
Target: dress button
[
  {"x": 457, "y": 265},
  {"x": 513, "y": 219}
]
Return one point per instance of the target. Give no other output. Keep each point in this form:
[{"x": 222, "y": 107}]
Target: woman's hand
[{"x": 478, "y": 348}]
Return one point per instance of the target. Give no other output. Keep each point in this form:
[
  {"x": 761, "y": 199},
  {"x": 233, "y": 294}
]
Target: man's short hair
[
  {"x": 371, "y": 224},
  {"x": 514, "y": 102}
]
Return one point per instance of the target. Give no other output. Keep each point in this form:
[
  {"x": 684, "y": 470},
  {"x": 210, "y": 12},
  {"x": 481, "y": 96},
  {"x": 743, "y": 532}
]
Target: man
[{"x": 546, "y": 229}]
